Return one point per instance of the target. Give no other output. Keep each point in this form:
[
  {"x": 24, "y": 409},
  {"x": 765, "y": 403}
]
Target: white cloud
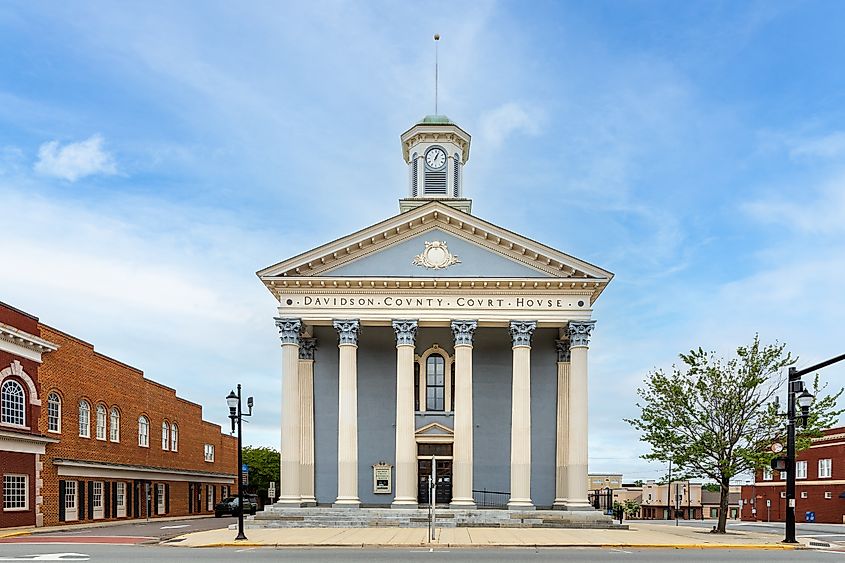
[
  {"x": 820, "y": 213},
  {"x": 827, "y": 146},
  {"x": 75, "y": 160},
  {"x": 499, "y": 124}
]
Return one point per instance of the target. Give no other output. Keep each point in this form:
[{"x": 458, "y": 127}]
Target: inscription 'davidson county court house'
[{"x": 436, "y": 302}]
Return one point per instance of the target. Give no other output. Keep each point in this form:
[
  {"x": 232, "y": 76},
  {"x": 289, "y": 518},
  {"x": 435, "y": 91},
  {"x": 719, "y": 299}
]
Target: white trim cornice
[
  {"x": 21, "y": 442},
  {"x": 81, "y": 468},
  {"x": 24, "y": 344}
]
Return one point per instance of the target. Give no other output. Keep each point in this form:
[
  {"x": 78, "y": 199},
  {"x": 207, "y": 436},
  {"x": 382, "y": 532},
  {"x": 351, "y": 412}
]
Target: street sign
[
  {"x": 768, "y": 502},
  {"x": 271, "y": 491},
  {"x": 245, "y": 474},
  {"x": 810, "y": 517}
]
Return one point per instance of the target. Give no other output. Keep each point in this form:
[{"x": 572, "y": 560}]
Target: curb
[
  {"x": 4, "y": 535},
  {"x": 763, "y": 546}
]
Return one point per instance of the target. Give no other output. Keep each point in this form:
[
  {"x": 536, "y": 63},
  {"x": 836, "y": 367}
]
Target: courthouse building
[{"x": 434, "y": 341}]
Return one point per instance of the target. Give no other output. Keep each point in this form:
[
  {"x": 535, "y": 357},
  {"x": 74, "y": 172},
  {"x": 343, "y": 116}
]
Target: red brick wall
[
  {"x": 77, "y": 371},
  {"x": 18, "y": 319},
  {"x": 826, "y": 510},
  {"x": 19, "y": 464}
]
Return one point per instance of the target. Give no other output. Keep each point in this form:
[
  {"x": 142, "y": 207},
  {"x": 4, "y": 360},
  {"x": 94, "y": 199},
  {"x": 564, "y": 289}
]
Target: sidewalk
[
  {"x": 640, "y": 535},
  {"x": 28, "y": 530}
]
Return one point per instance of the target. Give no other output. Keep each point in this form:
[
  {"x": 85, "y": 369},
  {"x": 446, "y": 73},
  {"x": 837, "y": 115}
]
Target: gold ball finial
[{"x": 437, "y": 37}]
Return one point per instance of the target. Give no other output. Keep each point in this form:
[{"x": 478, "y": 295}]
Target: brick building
[
  {"x": 107, "y": 444},
  {"x": 22, "y": 444},
  {"x": 819, "y": 485}
]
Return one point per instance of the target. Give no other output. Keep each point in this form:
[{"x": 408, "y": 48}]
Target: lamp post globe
[{"x": 805, "y": 399}]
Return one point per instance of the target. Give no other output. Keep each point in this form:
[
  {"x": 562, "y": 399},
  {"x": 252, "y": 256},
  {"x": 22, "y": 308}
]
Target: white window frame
[
  {"x": 54, "y": 403},
  {"x": 174, "y": 437},
  {"x": 828, "y": 495},
  {"x": 800, "y": 469},
  {"x": 71, "y": 501},
  {"x": 160, "y": 503},
  {"x": 120, "y": 499},
  {"x": 101, "y": 428},
  {"x": 768, "y": 474},
  {"x": 208, "y": 452},
  {"x": 783, "y": 475},
  {"x": 803, "y": 494},
  {"x": 143, "y": 431},
  {"x": 209, "y": 497},
  {"x": 825, "y": 468},
  {"x": 165, "y": 436},
  {"x": 18, "y": 478},
  {"x": 114, "y": 424},
  {"x": 84, "y": 419},
  {"x": 783, "y": 494},
  {"x": 97, "y": 500},
  {"x": 12, "y": 406}
]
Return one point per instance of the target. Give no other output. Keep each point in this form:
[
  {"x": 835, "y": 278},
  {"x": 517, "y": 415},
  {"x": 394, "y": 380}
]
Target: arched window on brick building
[{"x": 12, "y": 401}]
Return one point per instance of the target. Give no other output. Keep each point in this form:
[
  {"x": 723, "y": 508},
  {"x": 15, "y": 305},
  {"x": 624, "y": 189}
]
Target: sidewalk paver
[{"x": 639, "y": 535}]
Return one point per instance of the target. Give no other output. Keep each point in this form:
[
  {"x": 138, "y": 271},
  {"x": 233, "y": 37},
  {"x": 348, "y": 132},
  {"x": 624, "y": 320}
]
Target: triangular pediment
[
  {"x": 434, "y": 429},
  {"x": 389, "y": 250}
]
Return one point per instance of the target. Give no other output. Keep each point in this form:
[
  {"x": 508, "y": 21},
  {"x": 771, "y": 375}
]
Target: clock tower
[{"x": 436, "y": 150}]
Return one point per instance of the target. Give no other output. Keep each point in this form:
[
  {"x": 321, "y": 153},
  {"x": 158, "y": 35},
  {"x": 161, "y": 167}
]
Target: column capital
[
  {"x": 347, "y": 330},
  {"x": 521, "y": 332},
  {"x": 463, "y": 332},
  {"x": 406, "y": 332},
  {"x": 289, "y": 330},
  {"x": 562, "y": 347},
  {"x": 579, "y": 333},
  {"x": 306, "y": 348}
]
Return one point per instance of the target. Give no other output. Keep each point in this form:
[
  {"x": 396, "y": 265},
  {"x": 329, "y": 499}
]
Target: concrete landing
[{"x": 320, "y": 517}]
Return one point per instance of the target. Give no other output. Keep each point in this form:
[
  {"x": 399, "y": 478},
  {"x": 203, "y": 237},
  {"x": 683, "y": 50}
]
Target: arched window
[
  {"x": 165, "y": 436},
  {"x": 435, "y": 383},
  {"x": 101, "y": 422},
  {"x": 143, "y": 432},
  {"x": 84, "y": 419},
  {"x": 174, "y": 438},
  {"x": 114, "y": 425},
  {"x": 12, "y": 401},
  {"x": 54, "y": 412}
]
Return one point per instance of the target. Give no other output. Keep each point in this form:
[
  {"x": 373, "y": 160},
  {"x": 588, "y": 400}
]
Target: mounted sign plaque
[{"x": 382, "y": 478}]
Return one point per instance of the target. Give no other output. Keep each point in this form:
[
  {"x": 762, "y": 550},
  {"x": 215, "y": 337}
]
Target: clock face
[{"x": 435, "y": 158}]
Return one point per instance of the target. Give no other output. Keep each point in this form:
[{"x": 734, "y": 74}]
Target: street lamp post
[
  {"x": 797, "y": 394},
  {"x": 236, "y": 415}
]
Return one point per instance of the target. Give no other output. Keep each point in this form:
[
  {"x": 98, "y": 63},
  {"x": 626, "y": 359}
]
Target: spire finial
[{"x": 436, "y": 41}]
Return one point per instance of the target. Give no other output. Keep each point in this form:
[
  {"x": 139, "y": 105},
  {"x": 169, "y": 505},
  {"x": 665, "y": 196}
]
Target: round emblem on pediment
[{"x": 436, "y": 256}]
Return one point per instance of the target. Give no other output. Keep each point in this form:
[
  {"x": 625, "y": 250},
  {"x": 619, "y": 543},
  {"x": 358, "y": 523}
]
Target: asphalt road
[{"x": 144, "y": 553}]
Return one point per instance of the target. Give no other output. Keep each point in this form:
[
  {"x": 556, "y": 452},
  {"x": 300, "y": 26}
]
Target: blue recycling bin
[{"x": 810, "y": 517}]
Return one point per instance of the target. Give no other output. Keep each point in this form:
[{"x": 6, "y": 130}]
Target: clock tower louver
[{"x": 436, "y": 150}]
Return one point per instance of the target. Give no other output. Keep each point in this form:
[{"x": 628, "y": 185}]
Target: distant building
[
  {"x": 711, "y": 501},
  {"x": 597, "y": 481},
  {"x": 819, "y": 490},
  {"x": 659, "y": 503}
]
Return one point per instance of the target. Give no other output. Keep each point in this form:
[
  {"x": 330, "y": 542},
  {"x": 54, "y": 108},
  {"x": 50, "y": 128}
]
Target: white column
[
  {"x": 306, "y": 391},
  {"x": 462, "y": 401},
  {"x": 521, "y": 333},
  {"x": 562, "y": 441},
  {"x": 450, "y": 176},
  {"x": 347, "y": 414},
  {"x": 577, "y": 452},
  {"x": 289, "y": 487},
  {"x": 406, "y": 446}
]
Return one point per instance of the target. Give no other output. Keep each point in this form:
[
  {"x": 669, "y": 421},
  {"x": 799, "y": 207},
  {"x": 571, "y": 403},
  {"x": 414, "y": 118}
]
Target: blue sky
[{"x": 153, "y": 156}]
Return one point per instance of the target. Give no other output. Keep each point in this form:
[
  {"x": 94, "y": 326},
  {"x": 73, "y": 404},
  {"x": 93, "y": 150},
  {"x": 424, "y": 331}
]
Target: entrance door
[{"x": 444, "y": 481}]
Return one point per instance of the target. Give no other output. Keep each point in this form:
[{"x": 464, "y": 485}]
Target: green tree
[
  {"x": 717, "y": 418},
  {"x": 263, "y": 467},
  {"x": 711, "y": 487}
]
